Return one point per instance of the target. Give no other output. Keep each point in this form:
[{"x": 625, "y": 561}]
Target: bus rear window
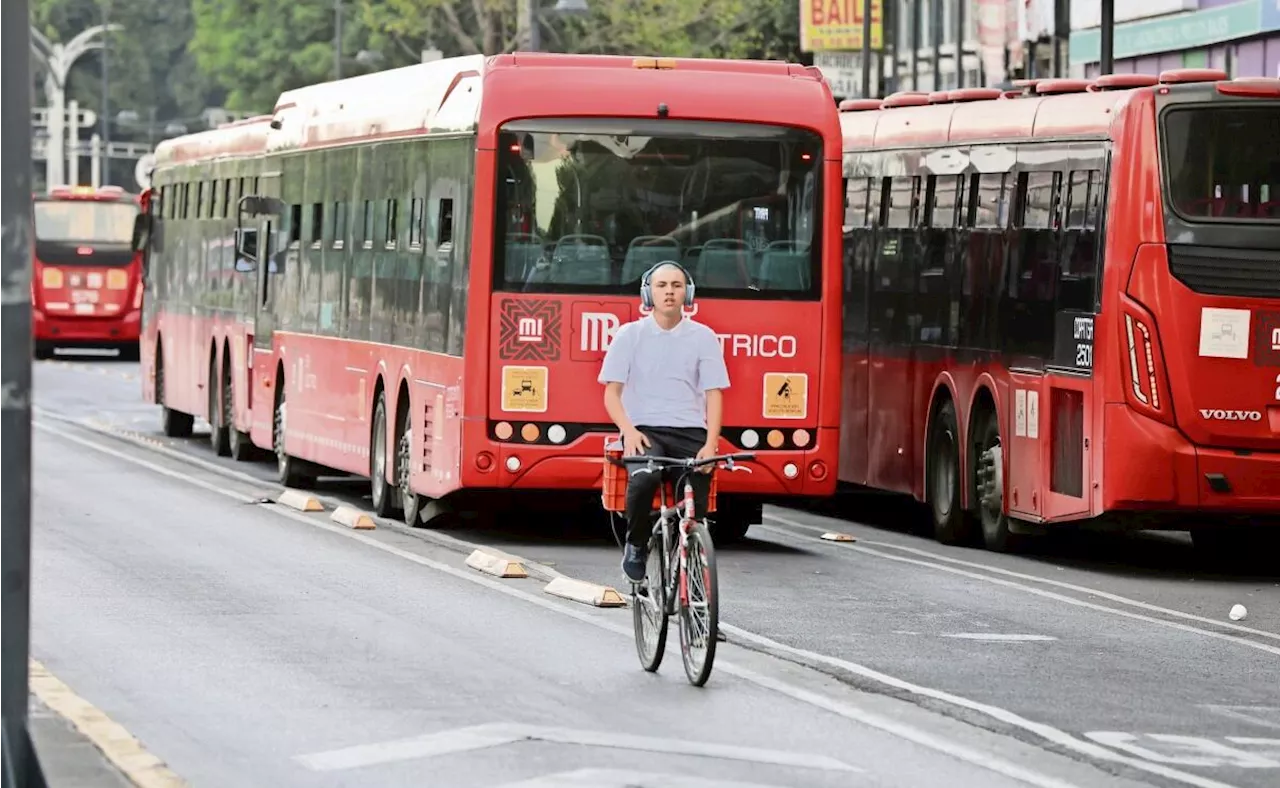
[
  {"x": 1223, "y": 163},
  {"x": 581, "y": 211},
  {"x": 84, "y": 221}
]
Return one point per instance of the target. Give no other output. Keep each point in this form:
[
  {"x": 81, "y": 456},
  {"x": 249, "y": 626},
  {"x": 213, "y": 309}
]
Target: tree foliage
[{"x": 675, "y": 28}]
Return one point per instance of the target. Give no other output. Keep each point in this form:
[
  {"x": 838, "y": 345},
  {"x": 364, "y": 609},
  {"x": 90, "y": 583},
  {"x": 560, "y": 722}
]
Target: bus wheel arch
[{"x": 944, "y": 470}]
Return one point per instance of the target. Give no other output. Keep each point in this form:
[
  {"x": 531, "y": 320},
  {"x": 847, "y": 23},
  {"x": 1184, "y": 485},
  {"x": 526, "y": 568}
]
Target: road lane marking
[
  {"x": 498, "y": 734},
  {"x": 621, "y": 778},
  {"x": 1266, "y": 716},
  {"x": 1124, "y": 600},
  {"x": 961, "y": 752},
  {"x": 861, "y": 548},
  {"x": 121, "y": 748},
  {"x": 998, "y": 637}
]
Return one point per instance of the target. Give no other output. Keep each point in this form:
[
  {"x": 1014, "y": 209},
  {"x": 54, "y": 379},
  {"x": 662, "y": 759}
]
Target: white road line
[
  {"x": 893, "y": 727},
  {"x": 620, "y": 778},
  {"x": 861, "y": 548},
  {"x": 479, "y": 737},
  {"x": 998, "y": 637}
]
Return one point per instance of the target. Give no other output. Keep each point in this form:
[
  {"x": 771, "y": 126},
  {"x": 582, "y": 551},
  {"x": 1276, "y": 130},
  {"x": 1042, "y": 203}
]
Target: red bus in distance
[
  {"x": 1062, "y": 303},
  {"x": 86, "y": 279},
  {"x": 414, "y": 275}
]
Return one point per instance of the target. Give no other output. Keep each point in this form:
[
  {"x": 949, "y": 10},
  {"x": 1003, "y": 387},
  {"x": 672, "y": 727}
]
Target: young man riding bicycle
[{"x": 664, "y": 378}]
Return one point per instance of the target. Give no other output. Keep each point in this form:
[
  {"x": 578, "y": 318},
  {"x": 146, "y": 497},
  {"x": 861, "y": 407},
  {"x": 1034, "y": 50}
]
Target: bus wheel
[
  {"x": 410, "y": 501},
  {"x": 382, "y": 493},
  {"x": 989, "y": 486},
  {"x": 287, "y": 472},
  {"x": 217, "y": 420},
  {"x": 240, "y": 445},
  {"x": 950, "y": 525}
]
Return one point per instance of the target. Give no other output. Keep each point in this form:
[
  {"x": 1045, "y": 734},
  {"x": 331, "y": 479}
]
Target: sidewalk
[{"x": 67, "y": 758}]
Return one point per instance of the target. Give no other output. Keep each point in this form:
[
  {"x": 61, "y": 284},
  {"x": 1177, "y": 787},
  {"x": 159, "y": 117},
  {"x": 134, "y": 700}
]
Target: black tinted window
[{"x": 1223, "y": 162}]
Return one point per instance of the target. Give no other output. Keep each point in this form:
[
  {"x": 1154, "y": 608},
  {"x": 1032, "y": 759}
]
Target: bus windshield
[
  {"x": 589, "y": 210},
  {"x": 84, "y": 221},
  {"x": 1223, "y": 163}
]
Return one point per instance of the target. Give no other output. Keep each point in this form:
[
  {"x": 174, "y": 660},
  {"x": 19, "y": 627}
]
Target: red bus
[
  {"x": 413, "y": 275},
  {"x": 1034, "y": 275},
  {"x": 86, "y": 284}
]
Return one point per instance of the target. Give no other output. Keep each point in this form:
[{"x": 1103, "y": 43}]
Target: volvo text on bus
[
  {"x": 1063, "y": 302},
  {"x": 413, "y": 275}
]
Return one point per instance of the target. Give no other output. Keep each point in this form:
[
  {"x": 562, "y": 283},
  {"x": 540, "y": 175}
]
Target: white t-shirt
[{"x": 665, "y": 374}]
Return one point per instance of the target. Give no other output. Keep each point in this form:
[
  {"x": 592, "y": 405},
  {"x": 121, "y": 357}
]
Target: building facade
[{"x": 1241, "y": 37}]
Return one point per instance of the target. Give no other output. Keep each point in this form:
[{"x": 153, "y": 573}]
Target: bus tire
[
  {"x": 174, "y": 424},
  {"x": 217, "y": 423},
  {"x": 383, "y": 494},
  {"x": 988, "y": 492},
  {"x": 239, "y": 443},
  {"x": 288, "y": 472},
  {"x": 950, "y": 523},
  {"x": 411, "y": 503}
]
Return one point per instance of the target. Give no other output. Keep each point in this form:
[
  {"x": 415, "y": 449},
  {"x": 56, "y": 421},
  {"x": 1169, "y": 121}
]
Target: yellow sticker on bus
[
  {"x": 524, "y": 389},
  {"x": 786, "y": 395}
]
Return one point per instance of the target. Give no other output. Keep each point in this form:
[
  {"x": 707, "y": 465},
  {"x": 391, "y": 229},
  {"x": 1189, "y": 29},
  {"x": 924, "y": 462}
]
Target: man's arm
[
  {"x": 713, "y": 379},
  {"x": 613, "y": 374},
  {"x": 715, "y": 417}
]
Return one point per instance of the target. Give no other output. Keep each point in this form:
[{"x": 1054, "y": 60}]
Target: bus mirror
[
  {"x": 246, "y": 249},
  {"x": 141, "y": 232}
]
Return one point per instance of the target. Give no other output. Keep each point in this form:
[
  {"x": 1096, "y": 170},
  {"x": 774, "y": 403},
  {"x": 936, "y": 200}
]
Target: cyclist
[{"x": 664, "y": 377}]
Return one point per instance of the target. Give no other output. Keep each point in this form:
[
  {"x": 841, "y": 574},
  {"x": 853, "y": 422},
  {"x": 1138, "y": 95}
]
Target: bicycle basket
[{"x": 613, "y": 488}]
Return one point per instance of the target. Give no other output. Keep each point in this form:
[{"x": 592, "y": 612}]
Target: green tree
[
  {"x": 256, "y": 50},
  {"x": 675, "y": 28}
]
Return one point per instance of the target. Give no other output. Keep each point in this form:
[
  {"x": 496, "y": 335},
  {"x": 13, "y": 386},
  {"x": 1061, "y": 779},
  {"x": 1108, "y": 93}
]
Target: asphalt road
[{"x": 233, "y": 639}]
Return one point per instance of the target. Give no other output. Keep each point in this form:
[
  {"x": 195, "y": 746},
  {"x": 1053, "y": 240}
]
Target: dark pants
[{"x": 679, "y": 442}]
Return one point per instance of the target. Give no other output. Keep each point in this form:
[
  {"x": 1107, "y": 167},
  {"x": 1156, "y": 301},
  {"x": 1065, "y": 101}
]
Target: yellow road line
[{"x": 141, "y": 767}]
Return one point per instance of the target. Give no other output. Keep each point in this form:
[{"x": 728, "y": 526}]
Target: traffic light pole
[{"x": 21, "y": 767}]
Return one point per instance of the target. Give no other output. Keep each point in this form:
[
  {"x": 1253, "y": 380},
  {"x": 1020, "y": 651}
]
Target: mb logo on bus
[{"x": 596, "y": 331}]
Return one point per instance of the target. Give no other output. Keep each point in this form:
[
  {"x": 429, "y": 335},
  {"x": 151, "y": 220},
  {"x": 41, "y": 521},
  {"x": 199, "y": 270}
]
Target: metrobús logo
[{"x": 1210, "y": 414}]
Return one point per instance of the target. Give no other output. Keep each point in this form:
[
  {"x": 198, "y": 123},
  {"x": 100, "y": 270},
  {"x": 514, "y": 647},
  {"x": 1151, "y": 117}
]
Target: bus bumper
[
  {"x": 1153, "y": 467},
  {"x": 550, "y": 468},
  {"x": 86, "y": 330}
]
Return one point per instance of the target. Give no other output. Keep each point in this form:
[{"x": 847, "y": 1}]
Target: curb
[
  {"x": 353, "y": 518},
  {"x": 584, "y": 592},
  {"x": 295, "y": 499},
  {"x": 493, "y": 564}
]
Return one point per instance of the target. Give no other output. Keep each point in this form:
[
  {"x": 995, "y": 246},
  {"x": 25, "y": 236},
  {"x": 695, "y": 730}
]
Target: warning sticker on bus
[
  {"x": 524, "y": 389},
  {"x": 786, "y": 395}
]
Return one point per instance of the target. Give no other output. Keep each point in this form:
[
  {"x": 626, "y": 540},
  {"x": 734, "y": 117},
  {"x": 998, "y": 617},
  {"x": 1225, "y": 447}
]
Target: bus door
[{"x": 260, "y": 252}]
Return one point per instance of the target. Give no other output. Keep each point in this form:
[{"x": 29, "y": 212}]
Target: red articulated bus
[
  {"x": 86, "y": 281},
  {"x": 414, "y": 275},
  {"x": 1063, "y": 302}
]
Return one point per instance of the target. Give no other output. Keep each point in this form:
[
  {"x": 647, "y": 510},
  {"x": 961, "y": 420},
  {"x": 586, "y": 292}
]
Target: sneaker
[{"x": 633, "y": 563}]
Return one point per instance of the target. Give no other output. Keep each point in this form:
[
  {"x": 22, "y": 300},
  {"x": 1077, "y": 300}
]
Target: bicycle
[{"x": 681, "y": 572}]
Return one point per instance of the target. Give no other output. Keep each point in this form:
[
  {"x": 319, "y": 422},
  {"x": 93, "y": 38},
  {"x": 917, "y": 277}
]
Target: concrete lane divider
[
  {"x": 496, "y": 564},
  {"x": 353, "y": 518},
  {"x": 584, "y": 592},
  {"x": 296, "y": 499}
]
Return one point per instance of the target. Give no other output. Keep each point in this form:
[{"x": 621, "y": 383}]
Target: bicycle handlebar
[{"x": 677, "y": 462}]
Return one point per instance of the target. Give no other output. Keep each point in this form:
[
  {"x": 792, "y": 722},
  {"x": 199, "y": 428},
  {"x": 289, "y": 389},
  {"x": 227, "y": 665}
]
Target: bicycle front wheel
[
  {"x": 649, "y": 608},
  {"x": 699, "y": 606}
]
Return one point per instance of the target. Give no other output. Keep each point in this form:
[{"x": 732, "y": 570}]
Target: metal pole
[
  {"x": 960, "y": 43},
  {"x": 1107, "y": 63},
  {"x": 21, "y": 767},
  {"x": 535, "y": 35},
  {"x": 73, "y": 143},
  {"x": 337, "y": 39},
  {"x": 935, "y": 32},
  {"x": 915, "y": 44},
  {"x": 106, "y": 129},
  {"x": 866, "y": 48}
]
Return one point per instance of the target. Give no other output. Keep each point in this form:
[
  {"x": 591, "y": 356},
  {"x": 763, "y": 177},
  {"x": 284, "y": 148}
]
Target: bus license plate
[{"x": 84, "y": 296}]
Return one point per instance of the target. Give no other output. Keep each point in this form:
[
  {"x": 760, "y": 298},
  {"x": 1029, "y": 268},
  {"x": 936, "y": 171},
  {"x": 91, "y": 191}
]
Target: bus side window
[
  {"x": 1027, "y": 314},
  {"x": 1080, "y": 254}
]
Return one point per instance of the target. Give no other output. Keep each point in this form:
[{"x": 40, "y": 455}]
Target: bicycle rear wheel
[
  {"x": 649, "y": 607},
  {"x": 699, "y": 606}
]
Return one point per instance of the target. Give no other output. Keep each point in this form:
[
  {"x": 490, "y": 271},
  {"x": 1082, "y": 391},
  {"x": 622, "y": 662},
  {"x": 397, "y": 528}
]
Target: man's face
[{"x": 668, "y": 288}]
